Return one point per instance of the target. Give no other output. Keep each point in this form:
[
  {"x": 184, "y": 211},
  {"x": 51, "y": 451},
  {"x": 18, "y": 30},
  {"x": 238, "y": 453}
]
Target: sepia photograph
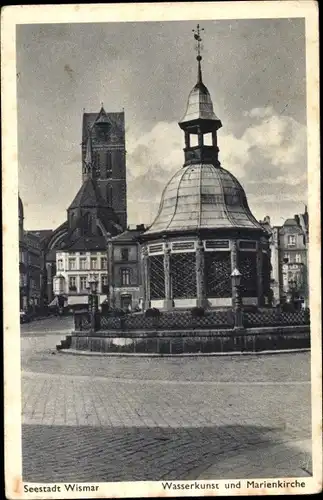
[{"x": 162, "y": 250}]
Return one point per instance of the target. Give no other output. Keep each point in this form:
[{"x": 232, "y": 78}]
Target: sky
[{"x": 255, "y": 72}]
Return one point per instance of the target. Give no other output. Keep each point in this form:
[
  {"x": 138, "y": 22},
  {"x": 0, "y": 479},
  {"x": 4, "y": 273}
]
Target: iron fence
[
  {"x": 183, "y": 320},
  {"x": 275, "y": 317},
  {"x": 169, "y": 321}
]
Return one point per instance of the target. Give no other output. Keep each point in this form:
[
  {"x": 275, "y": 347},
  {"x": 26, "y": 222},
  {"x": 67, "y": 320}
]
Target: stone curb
[
  {"x": 75, "y": 352},
  {"x": 35, "y": 333}
]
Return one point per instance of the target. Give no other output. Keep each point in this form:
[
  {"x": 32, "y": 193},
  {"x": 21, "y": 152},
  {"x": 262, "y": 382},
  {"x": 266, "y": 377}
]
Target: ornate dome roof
[
  {"x": 202, "y": 196},
  {"x": 20, "y": 208}
]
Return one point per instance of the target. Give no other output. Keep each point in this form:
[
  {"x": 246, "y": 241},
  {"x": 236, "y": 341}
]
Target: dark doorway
[{"x": 126, "y": 302}]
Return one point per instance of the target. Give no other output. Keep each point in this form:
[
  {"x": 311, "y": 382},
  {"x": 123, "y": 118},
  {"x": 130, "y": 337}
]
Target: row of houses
[
  {"x": 29, "y": 265},
  {"x": 289, "y": 245},
  {"x": 116, "y": 270}
]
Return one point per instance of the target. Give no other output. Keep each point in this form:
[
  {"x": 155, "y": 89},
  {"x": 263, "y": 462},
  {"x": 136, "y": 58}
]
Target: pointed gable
[{"x": 102, "y": 118}]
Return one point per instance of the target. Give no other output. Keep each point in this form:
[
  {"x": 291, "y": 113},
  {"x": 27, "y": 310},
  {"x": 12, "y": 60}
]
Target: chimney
[{"x": 296, "y": 217}]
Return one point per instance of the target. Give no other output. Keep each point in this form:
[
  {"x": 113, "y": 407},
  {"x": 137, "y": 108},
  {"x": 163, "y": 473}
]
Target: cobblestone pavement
[{"x": 133, "y": 418}]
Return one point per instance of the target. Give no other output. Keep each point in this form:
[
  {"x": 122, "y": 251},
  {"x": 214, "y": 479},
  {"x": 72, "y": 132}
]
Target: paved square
[{"x": 100, "y": 418}]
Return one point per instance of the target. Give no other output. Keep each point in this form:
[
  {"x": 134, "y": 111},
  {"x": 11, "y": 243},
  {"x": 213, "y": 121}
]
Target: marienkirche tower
[{"x": 104, "y": 133}]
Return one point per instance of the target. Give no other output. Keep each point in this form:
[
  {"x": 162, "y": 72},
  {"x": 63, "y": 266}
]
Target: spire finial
[{"x": 197, "y": 36}]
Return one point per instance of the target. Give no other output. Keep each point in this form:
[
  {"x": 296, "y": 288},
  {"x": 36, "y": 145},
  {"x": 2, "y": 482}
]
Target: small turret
[{"x": 200, "y": 119}]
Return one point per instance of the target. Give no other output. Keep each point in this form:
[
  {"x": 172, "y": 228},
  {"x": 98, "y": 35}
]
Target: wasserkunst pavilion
[{"x": 204, "y": 228}]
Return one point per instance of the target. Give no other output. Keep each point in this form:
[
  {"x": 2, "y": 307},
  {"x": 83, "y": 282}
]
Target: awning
[
  {"x": 54, "y": 302},
  {"x": 83, "y": 299},
  {"x": 74, "y": 300}
]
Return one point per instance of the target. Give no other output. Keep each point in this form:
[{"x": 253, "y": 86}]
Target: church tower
[{"x": 104, "y": 134}]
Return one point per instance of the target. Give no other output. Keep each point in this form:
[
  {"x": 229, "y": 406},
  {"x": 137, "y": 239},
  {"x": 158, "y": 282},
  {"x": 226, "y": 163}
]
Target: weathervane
[{"x": 197, "y": 36}]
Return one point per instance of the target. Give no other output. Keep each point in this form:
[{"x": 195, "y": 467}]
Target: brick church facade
[{"x": 107, "y": 134}]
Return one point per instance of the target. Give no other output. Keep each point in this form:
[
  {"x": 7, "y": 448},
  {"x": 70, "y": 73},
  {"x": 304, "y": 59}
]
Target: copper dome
[{"x": 203, "y": 196}]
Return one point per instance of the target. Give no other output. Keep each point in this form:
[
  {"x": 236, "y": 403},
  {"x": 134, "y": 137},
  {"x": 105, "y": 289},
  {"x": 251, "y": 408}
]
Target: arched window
[{"x": 125, "y": 276}]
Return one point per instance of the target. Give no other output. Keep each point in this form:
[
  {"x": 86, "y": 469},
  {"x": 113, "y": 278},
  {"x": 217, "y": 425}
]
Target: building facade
[
  {"x": 33, "y": 271},
  {"x": 204, "y": 229},
  {"x": 74, "y": 268},
  {"x": 289, "y": 251},
  {"x": 124, "y": 260},
  {"x": 23, "y": 260},
  {"x": 29, "y": 266}
]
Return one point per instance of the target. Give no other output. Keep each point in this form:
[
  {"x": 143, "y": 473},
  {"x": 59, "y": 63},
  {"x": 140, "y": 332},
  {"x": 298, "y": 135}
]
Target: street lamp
[
  {"x": 93, "y": 301},
  {"x": 237, "y": 301}
]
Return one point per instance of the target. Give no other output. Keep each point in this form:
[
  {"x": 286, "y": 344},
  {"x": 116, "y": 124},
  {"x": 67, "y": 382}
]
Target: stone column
[
  {"x": 260, "y": 285},
  {"x": 146, "y": 277},
  {"x": 234, "y": 264},
  {"x": 168, "y": 303},
  {"x": 200, "y": 279}
]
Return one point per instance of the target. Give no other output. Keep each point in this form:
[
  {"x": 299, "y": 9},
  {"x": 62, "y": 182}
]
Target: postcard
[{"x": 161, "y": 222}]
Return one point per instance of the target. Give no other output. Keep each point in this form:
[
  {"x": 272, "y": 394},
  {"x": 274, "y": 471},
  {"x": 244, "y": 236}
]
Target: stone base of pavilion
[{"x": 180, "y": 342}]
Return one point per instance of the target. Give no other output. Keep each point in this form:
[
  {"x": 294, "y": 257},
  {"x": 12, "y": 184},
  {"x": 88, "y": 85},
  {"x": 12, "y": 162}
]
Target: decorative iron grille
[
  {"x": 183, "y": 275},
  {"x": 157, "y": 277},
  {"x": 218, "y": 274},
  {"x": 110, "y": 322},
  {"x": 179, "y": 320},
  {"x": 248, "y": 270},
  {"x": 275, "y": 317}
]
